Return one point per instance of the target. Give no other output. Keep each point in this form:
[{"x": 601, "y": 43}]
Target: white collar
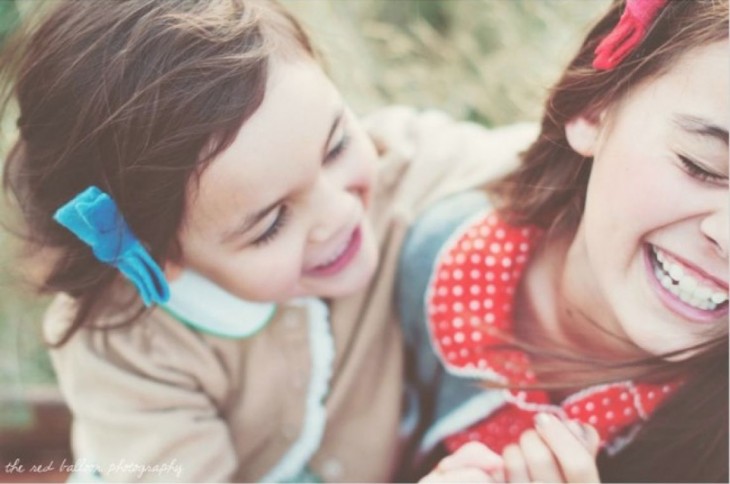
[{"x": 203, "y": 305}]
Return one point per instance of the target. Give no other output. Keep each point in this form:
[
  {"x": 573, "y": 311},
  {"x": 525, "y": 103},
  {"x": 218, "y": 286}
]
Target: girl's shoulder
[
  {"x": 154, "y": 347},
  {"x": 152, "y": 374},
  {"x": 412, "y": 133},
  {"x": 426, "y": 155}
]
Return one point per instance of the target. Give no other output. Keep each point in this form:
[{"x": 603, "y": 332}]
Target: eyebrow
[
  {"x": 695, "y": 125},
  {"x": 252, "y": 219}
]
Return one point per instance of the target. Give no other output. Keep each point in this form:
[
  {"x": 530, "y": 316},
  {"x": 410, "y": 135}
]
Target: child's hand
[
  {"x": 472, "y": 462},
  {"x": 555, "y": 451}
]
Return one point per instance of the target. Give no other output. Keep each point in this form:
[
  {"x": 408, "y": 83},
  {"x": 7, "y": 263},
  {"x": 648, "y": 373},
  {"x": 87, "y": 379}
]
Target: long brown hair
[
  {"x": 548, "y": 189},
  {"x": 134, "y": 97},
  {"x": 687, "y": 439}
]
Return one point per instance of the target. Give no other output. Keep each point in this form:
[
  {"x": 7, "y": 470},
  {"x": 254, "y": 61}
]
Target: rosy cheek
[{"x": 654, "y": 196}]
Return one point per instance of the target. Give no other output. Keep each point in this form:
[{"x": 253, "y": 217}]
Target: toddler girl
[{"x": 192, "y": 157}]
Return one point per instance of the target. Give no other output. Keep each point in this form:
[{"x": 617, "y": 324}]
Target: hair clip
[
  {"x": 627, "y": 34},
  {"x": 94, "y": 218}
]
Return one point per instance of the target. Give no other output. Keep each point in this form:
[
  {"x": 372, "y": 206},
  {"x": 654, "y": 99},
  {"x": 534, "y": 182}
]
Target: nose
[
  {"x": 716, "y": 227},
  {"x": 335, "y": 208}
]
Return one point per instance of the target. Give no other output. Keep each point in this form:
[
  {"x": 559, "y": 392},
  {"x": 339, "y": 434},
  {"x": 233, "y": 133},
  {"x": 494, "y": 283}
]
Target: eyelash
[
  {"x": 273, "y": 231},
  {"x": 281, "y": 218},
  {"x": 337, "y": 151},
  {"x": 696, "y": 171}
]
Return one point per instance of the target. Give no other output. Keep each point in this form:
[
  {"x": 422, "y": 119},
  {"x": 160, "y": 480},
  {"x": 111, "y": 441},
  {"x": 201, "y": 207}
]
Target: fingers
[
  {"x": 470, "y": 474},
  {"x": 515, "y": 466},
  {"x": 555, "y": 451},
  {"x": 541, "y": 464},
  {"x": 587, "y": 434},
  {"x": 572, "y": 445},
  {"x": 472, "y": 462},
  {"x": 592, "y": 438},
  {"x": 472, "y": 454}
]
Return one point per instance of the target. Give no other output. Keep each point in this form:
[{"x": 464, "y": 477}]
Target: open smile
[
  {"x": 684, "y": 289},
  {"x": 340, "y": 258}
]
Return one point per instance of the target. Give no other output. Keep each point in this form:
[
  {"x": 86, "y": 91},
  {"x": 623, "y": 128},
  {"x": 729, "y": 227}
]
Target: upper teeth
[{"x": 700, "y": 294}]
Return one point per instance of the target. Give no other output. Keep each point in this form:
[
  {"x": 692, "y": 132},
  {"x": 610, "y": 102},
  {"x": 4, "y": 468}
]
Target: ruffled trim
[
  {"x": 470, "y": 297},
  {"x": 446, "y": 247},
  {"x": 322, "y": 345}
]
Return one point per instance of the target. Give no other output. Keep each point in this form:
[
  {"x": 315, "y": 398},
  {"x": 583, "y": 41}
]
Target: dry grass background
[{"x": 486, "y": 60}]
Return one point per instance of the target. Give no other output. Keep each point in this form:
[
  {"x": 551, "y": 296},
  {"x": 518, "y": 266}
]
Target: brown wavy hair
[
  {"x": 135, "y": 97},
  {"x": 687, "y": 439}
]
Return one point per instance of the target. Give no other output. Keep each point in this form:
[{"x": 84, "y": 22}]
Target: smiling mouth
[
  {"x": 341, "y": 257},
  {"x": 683, "y": 289}
]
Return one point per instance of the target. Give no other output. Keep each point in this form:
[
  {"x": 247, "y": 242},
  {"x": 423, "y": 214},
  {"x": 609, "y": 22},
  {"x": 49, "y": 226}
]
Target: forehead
[
  {"x": 698, "y": 84},
  {"x": 276, "y": 148},
  {"x": 703, "y": 75}
]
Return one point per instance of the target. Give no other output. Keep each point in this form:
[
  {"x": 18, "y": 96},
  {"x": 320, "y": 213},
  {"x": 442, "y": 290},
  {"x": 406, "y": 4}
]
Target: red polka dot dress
[{"x": 469, "y": 305}]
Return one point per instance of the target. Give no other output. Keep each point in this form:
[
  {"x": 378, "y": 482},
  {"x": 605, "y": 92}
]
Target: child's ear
[
  {"x": 582, "y": 133},
  {"x": 172, "y": 270}
]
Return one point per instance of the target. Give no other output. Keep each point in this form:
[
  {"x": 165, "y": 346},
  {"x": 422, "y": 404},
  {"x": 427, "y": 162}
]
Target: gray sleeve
[{"x": 438, "y": 391}]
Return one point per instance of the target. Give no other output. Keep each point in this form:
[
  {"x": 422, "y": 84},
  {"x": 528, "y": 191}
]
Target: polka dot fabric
[{"x": 469, "y": 305}]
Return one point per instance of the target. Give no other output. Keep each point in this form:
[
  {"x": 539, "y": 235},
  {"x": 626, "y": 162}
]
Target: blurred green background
[{"x": 490, "y": 61}]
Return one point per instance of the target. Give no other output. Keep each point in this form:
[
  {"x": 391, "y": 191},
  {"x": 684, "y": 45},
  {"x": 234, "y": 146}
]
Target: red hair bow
[{"x": 628, "y": 33}]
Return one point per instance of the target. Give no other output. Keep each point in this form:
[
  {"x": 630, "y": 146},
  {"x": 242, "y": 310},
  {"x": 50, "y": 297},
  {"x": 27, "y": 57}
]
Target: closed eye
[
  {"x": 337, "y": 150},
  {"x": 274, "y": 229},
  {"x": 699, "y": 172}
]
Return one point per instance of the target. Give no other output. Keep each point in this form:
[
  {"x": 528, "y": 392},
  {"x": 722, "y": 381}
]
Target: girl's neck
[
  {"x": 540, "y": 315},
  {"x": 548, "y": 318}
]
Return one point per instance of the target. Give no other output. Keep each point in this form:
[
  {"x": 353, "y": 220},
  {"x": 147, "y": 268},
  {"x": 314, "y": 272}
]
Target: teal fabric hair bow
[{"x": 95, "y": 219}]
